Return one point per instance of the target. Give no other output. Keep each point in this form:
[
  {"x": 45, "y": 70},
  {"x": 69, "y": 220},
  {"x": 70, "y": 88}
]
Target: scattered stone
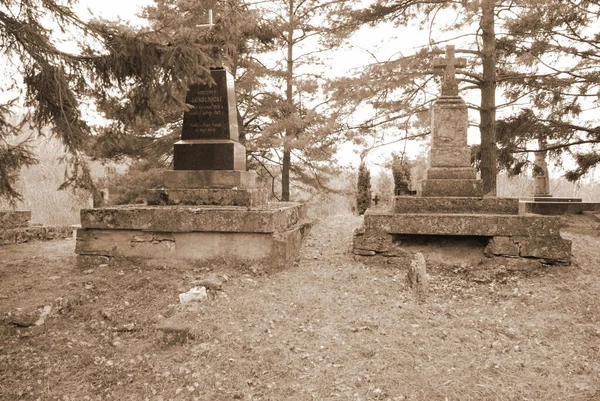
[
  {"x": 416, "y": 277},
  {"x": 175, "y": 331},
  {"x": 196, "y": 294}
]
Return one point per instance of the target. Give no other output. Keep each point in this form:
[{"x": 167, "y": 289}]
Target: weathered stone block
[
  {"x": 555, "y": 208},
  {"x": 457, "y": 205},
  {"x": 452, "y": 187},
  {"x": 502, "y": 246},
  {"x": 34, "y": 233},
  {"x": 270, "y": 236},
  {"x": 364, "y": 244},
  {"x": 272, "y": 217},
  {"x": 377, "y": 222},
  {"x": 551, "y": 249},
  {"x": 209, "y": 155},
  {"x": 192, "y": 179},
  {"x": 273, "y": 250},
  {"x": 14, "y": 218},
  {"x": 206, "y": 196},
  {"x": 467, "y": 173}
]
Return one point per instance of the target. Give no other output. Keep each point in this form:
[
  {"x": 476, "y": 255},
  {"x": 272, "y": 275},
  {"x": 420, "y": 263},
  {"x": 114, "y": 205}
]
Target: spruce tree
[{"x": 134, "y": 77}]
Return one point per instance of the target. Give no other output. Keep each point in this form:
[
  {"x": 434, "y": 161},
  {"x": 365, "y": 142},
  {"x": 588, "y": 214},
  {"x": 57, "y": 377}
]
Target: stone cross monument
[
  {"x": 449, "y": 65},
  {"x": 450, "y": 172}
]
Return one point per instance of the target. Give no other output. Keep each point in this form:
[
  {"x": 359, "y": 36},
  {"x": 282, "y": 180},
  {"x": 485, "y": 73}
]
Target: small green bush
[
  {"x": 363, "y": 196},
  {"x": 132, "y": 187}
]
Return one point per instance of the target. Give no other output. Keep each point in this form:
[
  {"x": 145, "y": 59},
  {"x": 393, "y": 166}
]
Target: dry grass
[{"x": 329, "y": 328}]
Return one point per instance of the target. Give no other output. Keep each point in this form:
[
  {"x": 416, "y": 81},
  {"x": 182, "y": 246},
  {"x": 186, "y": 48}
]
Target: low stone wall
[
  {"x": 14, "y": 218},
  {"x": 34, "y": 233}
]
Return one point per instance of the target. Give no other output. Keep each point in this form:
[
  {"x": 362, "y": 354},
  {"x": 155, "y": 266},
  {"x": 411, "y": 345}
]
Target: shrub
[
  {"x": 132, "y": 187},
  {"x": 363, "y": 195}
]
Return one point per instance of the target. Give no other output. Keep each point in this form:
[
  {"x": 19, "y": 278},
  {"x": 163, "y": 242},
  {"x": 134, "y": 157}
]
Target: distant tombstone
[
  {"x": 376, "y": 199},
  {"x": 541, "y": 181}
]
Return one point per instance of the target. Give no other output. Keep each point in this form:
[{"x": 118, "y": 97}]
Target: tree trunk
[
  {"x": 488, "y": 100},
  {"x": 289, "y": 132}
]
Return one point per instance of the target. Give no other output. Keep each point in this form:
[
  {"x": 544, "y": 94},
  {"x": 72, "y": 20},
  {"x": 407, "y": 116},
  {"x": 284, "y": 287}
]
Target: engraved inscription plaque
[{"x": 213, "y": 111}]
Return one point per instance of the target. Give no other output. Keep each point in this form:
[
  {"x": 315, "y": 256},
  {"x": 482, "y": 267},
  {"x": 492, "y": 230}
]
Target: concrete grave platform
[
  {"x": 462, "y": 205},
  {"x": 270, "y": 235},
  {"x": 527, "y": 236}
]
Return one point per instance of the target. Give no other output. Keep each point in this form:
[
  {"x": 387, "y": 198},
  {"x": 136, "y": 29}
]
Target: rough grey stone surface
[
  {"x": 205, "y": 196},
  {"x": 34, "y": 233},
  {"x": 377, "y": 222},
  {"x": 191, "y": 179},
  {"x": 276, "y": 216},
  {"x": 270, "y": 236},
  {"x": 551, "y": 249},
  {"x": 452, "y": 187},
  {"x": 461, "y": 205}
]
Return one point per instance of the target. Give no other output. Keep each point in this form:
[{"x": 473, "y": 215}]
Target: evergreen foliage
[
  {"x": 401, "y": 171},
  {"x": 132, "y": 187},
  {"x": 132, "y": 76},
  {"x": 542, "y": 53},
  {"x": 363, "y": 195}
]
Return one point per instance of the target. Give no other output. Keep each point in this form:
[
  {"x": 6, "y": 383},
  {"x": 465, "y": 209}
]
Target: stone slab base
[
  {"x": 14, "y": 218},
  {"x": 209, "y": 154},
  {"x": 34, "y": 233},
  {"x": 466, "y": 173},
  {"x": 411, "y": 204},
  {"x": 270, "y": 236},
  {"x": 192, "y": 179},
  {"x": 206, "y": 196},
  {"x": 509, "y": 235},
  {"x": 489, "y": 225},
  {"x": 272, "y": 217},
  {"x": 547, "y": 198},
  {"x": 550, "y": 208},
  {"x": 452, "y": 187}
]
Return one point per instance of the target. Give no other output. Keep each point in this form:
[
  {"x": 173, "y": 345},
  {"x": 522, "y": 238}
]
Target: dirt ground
[{"x": 330, "y": 328}]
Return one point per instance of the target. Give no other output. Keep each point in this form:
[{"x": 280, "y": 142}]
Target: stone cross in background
[{"x": 449, "y": 65}]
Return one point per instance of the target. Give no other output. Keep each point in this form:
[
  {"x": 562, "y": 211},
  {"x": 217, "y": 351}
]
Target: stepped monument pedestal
[
  {"x": 210, "y": 207},
  {"x": 450, "y": 202}
]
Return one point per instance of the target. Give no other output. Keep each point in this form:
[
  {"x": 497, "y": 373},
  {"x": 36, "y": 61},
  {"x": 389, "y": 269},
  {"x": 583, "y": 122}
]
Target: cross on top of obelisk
[
  {"x": 210, "y": 21},
  {"x": 449, "y": 65}
]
